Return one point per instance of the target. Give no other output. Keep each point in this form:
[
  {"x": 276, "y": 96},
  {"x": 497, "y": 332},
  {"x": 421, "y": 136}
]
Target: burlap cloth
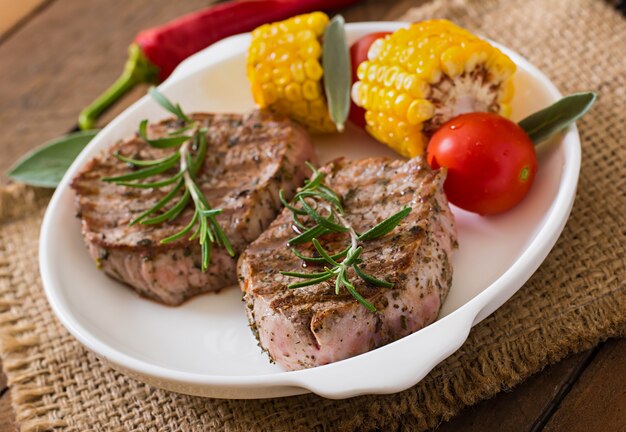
[{"x": 576, "y": 299}]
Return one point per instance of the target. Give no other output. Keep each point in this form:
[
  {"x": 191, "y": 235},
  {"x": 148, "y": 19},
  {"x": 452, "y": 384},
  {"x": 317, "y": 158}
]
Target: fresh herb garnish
[
  {"x": 189, "y": 156},
  {"x": 46, "y": 166},
  {"x": 542, "y": 124},
  {"x": 313, "y": 199},
  {"x": 336, "y": 65}
]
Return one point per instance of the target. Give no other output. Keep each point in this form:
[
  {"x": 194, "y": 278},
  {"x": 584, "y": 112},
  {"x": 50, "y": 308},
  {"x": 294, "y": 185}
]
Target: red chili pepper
[{"x": 156, "y": 52}]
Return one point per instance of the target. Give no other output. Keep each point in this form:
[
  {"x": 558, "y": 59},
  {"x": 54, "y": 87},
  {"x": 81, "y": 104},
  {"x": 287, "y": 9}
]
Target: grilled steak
[
  {"x": 312, "y": 326},
  {"x": 249, "y": 159}
]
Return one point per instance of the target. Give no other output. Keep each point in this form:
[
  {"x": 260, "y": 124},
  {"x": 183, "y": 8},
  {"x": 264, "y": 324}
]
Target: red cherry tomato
[
  {"x": 358, "y": 54},
  {"x": 491, "y": 162}
]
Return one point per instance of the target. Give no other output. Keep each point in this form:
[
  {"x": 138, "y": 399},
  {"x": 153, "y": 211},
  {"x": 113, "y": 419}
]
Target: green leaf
[
  {"x": 140, "y": 162},
  {"x": 169, "y": 106},
  {"x": 304, "y": 275},
  {"x": 152, "y": 185},
  {"x": 544, "y": 123},
  {"x": 318, "y": 260},
  {"x": 307, "y": 235},
  {"x": 309, "y": 282},
  {"x": 182, "y": 232},
  {"x": 161, "y": 143},
  {"x": 358, "y": 296},
  {"x": 144, "y": 172},
  {"x": 326, "y": 223},
  {"x": 323, "y": 253},
  {"x": 337, "y": 78},
  {"x": 159, "y": 205},
  {"x": 281, "y": 195},
  {"x": 385, "y": 226},
  {"x": 46, "y": 165},
  {"x": 171, "y": 214},
  {"x": 371, "y": 279}
]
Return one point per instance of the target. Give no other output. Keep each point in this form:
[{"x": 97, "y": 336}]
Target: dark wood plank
[
  {"x": 518, "y": 409},
  {"x": 3, "y": 379},
  {"x": 597, "y": 402},
  {"x": 7, "y": 417},
  {"x": 62, "y": 59}
]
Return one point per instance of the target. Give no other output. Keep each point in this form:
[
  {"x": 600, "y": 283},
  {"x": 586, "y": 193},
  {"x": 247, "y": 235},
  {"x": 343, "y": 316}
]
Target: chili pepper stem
[{"x": 138, "y": 69}]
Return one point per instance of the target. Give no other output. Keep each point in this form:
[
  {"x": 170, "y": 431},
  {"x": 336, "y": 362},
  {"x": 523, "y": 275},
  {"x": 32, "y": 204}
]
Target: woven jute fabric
[{"x": 576, "y": 298}]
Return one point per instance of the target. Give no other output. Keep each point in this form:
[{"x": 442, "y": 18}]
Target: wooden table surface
[{"x": 57, "y": 55}]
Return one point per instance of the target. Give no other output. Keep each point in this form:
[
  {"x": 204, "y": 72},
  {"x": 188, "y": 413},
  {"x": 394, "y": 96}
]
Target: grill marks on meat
[
  {"x": 312, "y": 326},
  {"x": 249, "y": 159}
]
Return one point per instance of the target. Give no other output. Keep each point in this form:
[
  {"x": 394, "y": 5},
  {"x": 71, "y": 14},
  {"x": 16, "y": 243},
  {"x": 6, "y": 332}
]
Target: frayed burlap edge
[{"x": 19, "y": 338}]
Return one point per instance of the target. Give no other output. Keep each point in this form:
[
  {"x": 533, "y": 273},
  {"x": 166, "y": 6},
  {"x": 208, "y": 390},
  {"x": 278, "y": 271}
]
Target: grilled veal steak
[
  {"x": 249, "y": 159},
  {"x": 312, "y": 326}
]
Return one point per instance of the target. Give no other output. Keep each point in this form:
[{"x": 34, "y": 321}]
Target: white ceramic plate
[{"x": 204, "y": 347}]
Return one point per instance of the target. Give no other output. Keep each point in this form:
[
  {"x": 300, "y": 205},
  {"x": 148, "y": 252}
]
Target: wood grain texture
[
  {"x": 13, "y": 12},
  {"x": 597, "y": 402},
  {"x": 62, "y": 59},
  {"x": 517, "y": 409}
]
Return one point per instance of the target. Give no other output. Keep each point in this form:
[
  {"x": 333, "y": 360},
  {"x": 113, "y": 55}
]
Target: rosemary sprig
[
  {"x": 189, "y": 155},
  {"x": 323, "y": 207}
]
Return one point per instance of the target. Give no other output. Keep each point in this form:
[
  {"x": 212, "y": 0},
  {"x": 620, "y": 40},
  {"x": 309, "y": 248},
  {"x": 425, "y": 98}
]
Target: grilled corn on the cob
[
  {"x": 421, "y": 76},
  {"x": 285, "y": 71}
]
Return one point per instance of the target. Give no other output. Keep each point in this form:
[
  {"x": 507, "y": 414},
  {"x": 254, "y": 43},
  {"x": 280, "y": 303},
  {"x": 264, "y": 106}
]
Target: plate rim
[{"x": 465, "y": 317}]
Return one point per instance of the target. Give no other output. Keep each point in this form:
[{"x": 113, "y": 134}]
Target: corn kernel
[
  {"x": 390, "y": 76},
  {"x": 263, "y": 73},
  {"x": 453, "y": 61},
  {"x": 419, "y": 111},
  {"x": 317, "y": 22},
  {"x": 371, "y": 72},
  {"x": 305, "y": 36},
  {"x": 401, "y": 105},
  {"x": 355, "y": 90},
  {"x": 361, "y": 71},
  {"x": 310, "y": 49},
  {"x": 281, "y": 76},
  {"x": 269, "y": 93},
  {"x": 310, "y": 90},
  {"x": 297, "y": 72},
  {"x": 293, "y": 92},
  {"x": 313, "y": 70}
]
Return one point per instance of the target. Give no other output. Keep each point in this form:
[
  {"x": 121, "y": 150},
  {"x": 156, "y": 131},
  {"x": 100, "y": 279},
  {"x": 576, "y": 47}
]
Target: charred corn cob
[
  {"x": 419, "y": 77},
  {"x": 285, "y": 72}
]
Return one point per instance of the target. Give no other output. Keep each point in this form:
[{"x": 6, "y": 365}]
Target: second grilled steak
[
  {"x": 312, "y": 326},
  {"x": 249, "y": 159}
]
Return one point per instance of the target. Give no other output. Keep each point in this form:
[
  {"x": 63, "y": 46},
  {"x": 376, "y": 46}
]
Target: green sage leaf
[
  {"x": 337, "y": 78},
  {"x": 46, "y": 165},
  {"x": 544, "y": 123}
]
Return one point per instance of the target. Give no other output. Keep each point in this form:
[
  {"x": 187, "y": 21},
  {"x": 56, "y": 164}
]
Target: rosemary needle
[
  {"x": 189, "y": 155},
  {"x": 333, "y": 221}
]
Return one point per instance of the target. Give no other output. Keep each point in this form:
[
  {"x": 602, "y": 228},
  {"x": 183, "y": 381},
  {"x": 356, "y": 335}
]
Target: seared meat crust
[
  {"x": 312, "y": 326},
  {"x": 249, "y": 159}
]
